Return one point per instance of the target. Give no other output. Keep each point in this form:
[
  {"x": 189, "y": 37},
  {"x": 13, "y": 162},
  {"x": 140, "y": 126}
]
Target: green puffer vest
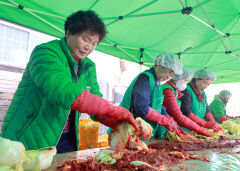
[
  {"x": 43, "y": 99},
  {"x": 198, "y": 108},
  {"x": 156, "y": 98}
]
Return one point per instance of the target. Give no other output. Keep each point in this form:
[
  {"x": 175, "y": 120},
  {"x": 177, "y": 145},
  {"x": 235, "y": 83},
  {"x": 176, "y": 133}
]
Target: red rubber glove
[
  {"x": 216, "y": 127},
  {"x": 174, "y": 123},
  {"x": 108, "y": 121},
  {"x": 223, "y": 118},
  {"x": 170, "y": 102},
  {"x": 233, "y": 117},
  {"x": 209, "y": 125},
  {"x": 92, "y": 104},
  {"x": 204, "y": 132},
  {"x": 201, "y": 122},
  {"x": 165, "y": 121},
  {"x": 208, "y": 117}
]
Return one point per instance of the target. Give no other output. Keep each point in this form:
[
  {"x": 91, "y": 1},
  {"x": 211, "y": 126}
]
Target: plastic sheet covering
[{"x": 218, "y": 161}]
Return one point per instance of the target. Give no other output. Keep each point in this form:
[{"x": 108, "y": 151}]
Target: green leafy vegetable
[
  {"x": 11, "y": 153},
  {"x": 39, "y": 159},
  {"x": 14, "y": 157},
  {"x": 105, "y": 157}
]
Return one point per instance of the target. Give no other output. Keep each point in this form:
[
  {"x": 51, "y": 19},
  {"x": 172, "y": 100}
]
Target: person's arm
[
  {"x": 140, "y": 96},
  {"x": 214, "y": 125},
  {"x": 141, "y": 105},
  {"x": 164, "y": 110},
  {"x": 52, "y": 77},
  {"x": 186, "y": 108},
  {"x": 208, "y": 116},
  {"x": 223, "y": 118},
  {"x": 186, "y": 103},
  {"x": 170, "y": 101},
  {"x": 92, "y": 104}
]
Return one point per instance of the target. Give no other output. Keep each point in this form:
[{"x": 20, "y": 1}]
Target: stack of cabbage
[
  {"x": 14, "y": 157},
  {"x": 231, "y": 128}
]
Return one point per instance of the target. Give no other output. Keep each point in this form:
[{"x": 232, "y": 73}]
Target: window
[{"x": 13, "y": 46}]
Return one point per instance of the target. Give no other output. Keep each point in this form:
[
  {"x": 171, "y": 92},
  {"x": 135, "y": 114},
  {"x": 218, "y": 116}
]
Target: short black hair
[{"x": 81, "y": 21}]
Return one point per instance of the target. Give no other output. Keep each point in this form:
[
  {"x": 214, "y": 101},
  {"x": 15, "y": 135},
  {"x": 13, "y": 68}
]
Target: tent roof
[{"x": 203, "y": 33}]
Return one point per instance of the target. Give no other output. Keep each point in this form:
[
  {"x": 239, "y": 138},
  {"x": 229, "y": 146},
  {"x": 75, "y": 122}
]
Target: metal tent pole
[
  {"x": 35, "y": 15},
  {"x": 121, "y": 50}
]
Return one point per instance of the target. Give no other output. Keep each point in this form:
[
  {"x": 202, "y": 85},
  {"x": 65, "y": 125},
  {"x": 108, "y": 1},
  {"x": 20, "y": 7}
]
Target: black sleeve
[
  {"x": 207, "y": 110},
  {"x": 164, "y": 111},
  {"x": 186, "y": 106},
  {"x": 140, "y": 96}
]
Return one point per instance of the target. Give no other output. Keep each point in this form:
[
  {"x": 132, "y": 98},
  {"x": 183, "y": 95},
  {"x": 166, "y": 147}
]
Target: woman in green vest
[
  {"x": 218, "y": 106},
  {"x": 194, "y": 102},
  {"x": 172, "y": 93},
  {"x": 144, "y": 96},
  {"x": 54, "y": 86}
]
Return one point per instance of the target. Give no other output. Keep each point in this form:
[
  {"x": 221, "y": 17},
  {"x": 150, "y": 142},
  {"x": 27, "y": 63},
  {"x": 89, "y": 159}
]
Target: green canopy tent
[{"x": 203, "y": 33}]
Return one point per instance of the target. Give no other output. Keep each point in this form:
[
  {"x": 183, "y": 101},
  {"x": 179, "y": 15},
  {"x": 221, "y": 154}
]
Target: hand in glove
[
  {"x": 217, "y": 127},
  {"x": 201, "y": 122},
  {"x": 204, "y": 132},
  {"x": 92, "y": 104},
  {"x": 108, "y": 121},
  {"x": 165, "y": 121}
]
